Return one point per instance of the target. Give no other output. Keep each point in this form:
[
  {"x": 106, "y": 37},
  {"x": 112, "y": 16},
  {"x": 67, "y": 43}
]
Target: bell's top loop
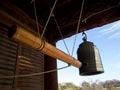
[{"x": 85, "y": 36}]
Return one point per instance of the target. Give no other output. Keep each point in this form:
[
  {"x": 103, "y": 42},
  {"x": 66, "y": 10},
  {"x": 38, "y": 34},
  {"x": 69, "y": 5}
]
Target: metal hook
[{"x": 85, "y": 36}]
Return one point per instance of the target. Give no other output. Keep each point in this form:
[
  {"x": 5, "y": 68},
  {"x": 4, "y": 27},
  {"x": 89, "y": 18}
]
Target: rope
[
  {"x": 36, "y": 17},
  {"x": 37, "y": 24},
  {"x": 61, "y": 34},
  {"x": 40, "y": 73},
  {"x": 48, "y": 19},
  {"x": 34, "y": 74},
  {"x": 79, "y": 20}
]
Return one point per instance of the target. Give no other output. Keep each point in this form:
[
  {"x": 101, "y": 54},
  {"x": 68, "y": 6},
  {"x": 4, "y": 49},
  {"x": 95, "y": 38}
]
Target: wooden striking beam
[{"x": 22, "y": 35}]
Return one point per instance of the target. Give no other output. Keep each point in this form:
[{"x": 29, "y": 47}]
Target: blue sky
[{"x": 107, "y": 40}]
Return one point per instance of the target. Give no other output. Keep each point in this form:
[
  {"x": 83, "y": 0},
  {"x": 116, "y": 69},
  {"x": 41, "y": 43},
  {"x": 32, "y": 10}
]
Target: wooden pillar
[{"x": 50, "y": 79}]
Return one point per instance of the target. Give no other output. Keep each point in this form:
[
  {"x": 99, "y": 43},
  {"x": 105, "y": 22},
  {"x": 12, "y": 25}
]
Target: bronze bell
[{"x": 88, "y": 54}]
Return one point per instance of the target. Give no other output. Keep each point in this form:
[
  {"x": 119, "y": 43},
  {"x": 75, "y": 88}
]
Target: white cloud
[
  {"x": 112, "y": 30},
  {"x": 114, "y": 35},
  {"x": 114, "y": 25}
]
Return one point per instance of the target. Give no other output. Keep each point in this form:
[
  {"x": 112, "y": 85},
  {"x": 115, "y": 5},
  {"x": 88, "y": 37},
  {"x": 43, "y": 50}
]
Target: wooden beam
[{"x": 22, "y": 35}]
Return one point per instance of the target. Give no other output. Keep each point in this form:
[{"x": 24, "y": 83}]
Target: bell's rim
[{"x": 91, "y": 73}]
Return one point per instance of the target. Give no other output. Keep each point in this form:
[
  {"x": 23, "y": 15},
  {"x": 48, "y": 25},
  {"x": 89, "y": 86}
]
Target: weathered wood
[
  {"x": 9, "y": 53},
  {"x": 29, "y": 65},
  {"x": 21, "y": 35},
  {"x": 11, "y": 14},
  {"x": 6, "y": 72},
  {"x": 8, "y": 50}
]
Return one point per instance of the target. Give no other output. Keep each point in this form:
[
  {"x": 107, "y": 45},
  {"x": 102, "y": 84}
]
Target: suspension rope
[
  {"x": 79, "y": 20},
  {"x": 36, "y": 17},
  {"x": 61, "y": 34},
  {"x": 34, "y": 74},
  {"x": 48, "y": 19},
  {"x": 37, "y": 23}
]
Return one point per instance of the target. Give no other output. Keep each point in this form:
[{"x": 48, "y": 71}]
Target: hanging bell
[{"x": 88, "y": 54}]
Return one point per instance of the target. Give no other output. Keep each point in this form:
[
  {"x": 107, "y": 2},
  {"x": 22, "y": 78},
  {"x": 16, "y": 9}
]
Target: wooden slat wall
[
  {"x": 8, "y": 56},
  {"x": 31, "y": 61},
  {"x": 17, "y": 59}
]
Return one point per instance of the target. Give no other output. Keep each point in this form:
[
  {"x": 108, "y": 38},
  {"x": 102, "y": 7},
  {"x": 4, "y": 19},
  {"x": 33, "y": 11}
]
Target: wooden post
[{"x": 50, "y": 79}]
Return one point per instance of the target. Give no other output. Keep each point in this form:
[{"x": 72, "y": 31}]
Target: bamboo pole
[{"x": 20, "y": 34}]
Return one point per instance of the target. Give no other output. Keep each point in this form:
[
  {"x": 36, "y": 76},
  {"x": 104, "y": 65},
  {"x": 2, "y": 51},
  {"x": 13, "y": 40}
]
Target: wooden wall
[
  {"x": 12, "y": 15},
  {"x": 8, "y": 58},
  {"x": 18, "y": 59}
]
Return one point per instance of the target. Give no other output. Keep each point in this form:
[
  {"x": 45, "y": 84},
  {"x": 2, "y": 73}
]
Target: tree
[
  {"x": 111, "y": 87},
  {"x": 86, "y": 86},
  {"x": 96, "y": 86},
  {"x": 67, "y": 86},
  {"x": 60, "y": 86},
  {"x": 92, "y": 86}
]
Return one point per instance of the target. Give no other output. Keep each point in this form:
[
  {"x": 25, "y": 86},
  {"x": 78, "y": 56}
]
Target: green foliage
[
  {"x": 67, "y": 86},
  {"x": 107, "y": 85},
  {"x": 111, "y": 87}
]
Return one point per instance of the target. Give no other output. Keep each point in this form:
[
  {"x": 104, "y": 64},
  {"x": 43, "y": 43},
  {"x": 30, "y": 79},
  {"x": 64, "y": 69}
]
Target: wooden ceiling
[{"x": 66, "y": 12}]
